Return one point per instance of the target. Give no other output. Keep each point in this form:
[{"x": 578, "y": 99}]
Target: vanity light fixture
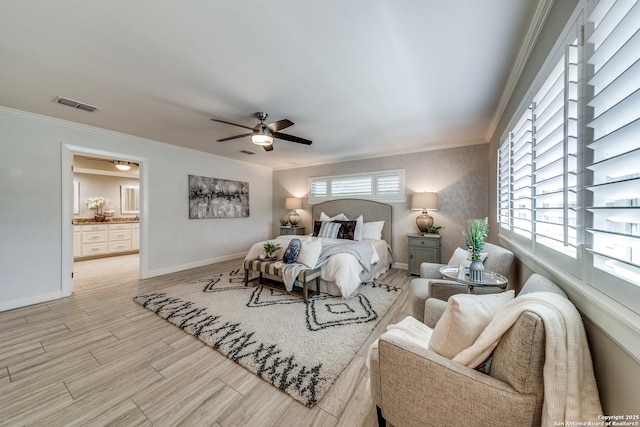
[{"x": 123, "y": 166}]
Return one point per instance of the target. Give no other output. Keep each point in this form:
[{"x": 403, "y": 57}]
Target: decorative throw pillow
[
  {"x": 372, "y": 230},
  {"x": 461, "y": 256},
  {"x": 329, "y": 230},
  {"x": 316, "y": 227},
  {"x": 310, "y": 252},
  {"x": 466, "y": 316},
  {"x": 293, "y": 250},
  {"x": 357, "y": 235},
  {"x": 347, "y": 230}
]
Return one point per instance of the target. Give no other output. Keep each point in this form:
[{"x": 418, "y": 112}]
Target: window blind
[
  {"x": 614, "y": 156},
  {"x": 382, "y": 185}
]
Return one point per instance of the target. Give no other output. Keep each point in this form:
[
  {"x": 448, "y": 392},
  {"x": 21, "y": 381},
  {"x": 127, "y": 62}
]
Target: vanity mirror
[{"x": 129, "y": 199}]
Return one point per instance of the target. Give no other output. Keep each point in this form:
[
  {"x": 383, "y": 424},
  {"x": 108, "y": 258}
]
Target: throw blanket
[
  {"x": 362, "y": 252},
  {"x": 570, "y": 392}
]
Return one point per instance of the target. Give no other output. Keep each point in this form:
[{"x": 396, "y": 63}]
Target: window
[
  {"x": 384, "y": 185},
  {"x": 569, "y": 163}
]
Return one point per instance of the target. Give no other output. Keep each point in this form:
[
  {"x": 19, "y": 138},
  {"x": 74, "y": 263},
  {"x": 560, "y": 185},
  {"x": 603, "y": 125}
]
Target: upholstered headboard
[{"x": 352, "y": 208}]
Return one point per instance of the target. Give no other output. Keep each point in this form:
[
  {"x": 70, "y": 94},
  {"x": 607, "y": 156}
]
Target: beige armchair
[
  {"x": 430, "y": 284},
  {"x": 413, "y": 386}
]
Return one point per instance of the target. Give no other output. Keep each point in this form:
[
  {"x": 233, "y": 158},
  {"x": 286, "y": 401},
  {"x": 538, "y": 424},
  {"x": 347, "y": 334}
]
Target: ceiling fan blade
[
  {"x": 279, "y": 125},
  {"x": 268, "y": 147},
  {"x": 232, "y": 124},
  {"x": 291, "y": 138},
  {"x": 234, "y": 137}
]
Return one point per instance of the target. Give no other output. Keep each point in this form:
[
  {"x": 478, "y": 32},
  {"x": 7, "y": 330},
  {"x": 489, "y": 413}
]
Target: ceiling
[{"x": 362, "y": 78}]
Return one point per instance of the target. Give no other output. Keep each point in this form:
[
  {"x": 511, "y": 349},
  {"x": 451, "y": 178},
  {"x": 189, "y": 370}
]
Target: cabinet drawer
[
  {"x": 135, "y": 239},
  {"x": 94, "y": 249},
  {"x": 119, "y": 235},
  {"x": 120, "y": 246},
  {"x": 95, "y": 227},
  {"x": 135, "y": 225},
  {"x": 425, "y": 242},
  {"x": 119, "y": 227},
  {"x": 94, "y": 236}
]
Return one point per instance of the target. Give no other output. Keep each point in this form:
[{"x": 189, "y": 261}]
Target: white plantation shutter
[
  {"x": 384, "y": 185},
  {"x": 555, "y": 149},
  {"x": 521, "y": 176},
  {"x": 613, "y": 205},
  {"x": 504, "y": 184}
]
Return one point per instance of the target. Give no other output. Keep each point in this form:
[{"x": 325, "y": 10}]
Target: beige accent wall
[{"x": 459, "y": 175}]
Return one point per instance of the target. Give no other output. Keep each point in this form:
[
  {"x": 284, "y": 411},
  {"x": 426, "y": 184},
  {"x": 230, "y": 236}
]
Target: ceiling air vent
[
  {"x": 247, "y": 152},
  {"x": 75, "y": 104}
]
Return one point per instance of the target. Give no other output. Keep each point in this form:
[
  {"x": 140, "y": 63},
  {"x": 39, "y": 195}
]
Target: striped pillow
[{"x": 329, "y": 230}]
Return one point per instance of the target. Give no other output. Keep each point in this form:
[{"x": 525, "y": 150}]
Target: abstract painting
[{"x": 217, "y": 198}]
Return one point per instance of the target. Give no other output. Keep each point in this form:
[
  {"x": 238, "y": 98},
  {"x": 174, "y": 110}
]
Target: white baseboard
[
  {"x": 400, "y": 265},
  {"x": 35, "y": 299},
  {"x": 182, "y": 267}
]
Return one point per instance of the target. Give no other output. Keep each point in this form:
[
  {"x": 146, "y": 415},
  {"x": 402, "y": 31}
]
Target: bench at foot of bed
[{"x": 270, "y": 267}]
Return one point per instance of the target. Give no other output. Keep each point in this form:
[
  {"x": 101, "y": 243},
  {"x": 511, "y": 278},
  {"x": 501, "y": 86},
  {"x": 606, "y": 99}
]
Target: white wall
[{"x": 32, "y": 151}]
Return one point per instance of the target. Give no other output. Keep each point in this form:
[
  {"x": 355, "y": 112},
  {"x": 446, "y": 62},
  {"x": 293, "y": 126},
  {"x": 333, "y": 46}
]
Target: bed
[{"x": 343, "y": 268}]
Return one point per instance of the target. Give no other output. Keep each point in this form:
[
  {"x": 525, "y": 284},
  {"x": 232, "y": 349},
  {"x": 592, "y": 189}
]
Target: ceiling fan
[{"x": 263, "y": 134}]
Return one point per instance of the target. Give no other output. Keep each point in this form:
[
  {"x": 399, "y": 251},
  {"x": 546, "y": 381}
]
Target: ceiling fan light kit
[
  {"x": 263, "y": 134},
  {"x": 121, "y": 165}
]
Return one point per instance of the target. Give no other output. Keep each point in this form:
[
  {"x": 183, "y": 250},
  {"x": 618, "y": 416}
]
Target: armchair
[
  {"x": 431, "y": 285},
  {"x": 413, "y": 386}
]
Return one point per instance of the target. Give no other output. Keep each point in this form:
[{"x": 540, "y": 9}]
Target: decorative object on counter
[
  {"x": 96, "y": 204},
  {"x": 424, "y": 201},
  {"x": 284, "y": 222},
  {"x": 293, "y": 203},
  {"x": 477, "y": 230},
  {"x": 217, "y": 198},
  {"x": 270, "y": 249}
]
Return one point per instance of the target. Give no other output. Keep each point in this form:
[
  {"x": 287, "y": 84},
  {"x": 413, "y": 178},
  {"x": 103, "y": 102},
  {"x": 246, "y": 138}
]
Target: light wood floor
[{"x": 98, "y": 358}]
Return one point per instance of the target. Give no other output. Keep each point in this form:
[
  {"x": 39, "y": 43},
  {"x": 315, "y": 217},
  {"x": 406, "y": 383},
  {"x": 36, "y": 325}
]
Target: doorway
[{"x": 103, "y": 219}]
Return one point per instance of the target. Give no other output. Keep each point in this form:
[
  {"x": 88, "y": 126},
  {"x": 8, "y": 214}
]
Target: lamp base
[
  {"x": 424, "y": 221},
  {"x": 294, "y": 219}
]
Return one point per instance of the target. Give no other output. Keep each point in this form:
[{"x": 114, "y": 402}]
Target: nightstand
[
  {"x": 423, "y": 248},
  {"x": 291, "y": 231}
]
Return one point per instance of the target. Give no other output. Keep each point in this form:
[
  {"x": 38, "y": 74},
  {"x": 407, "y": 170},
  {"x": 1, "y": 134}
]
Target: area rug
[{"x": 299, "y": 348}]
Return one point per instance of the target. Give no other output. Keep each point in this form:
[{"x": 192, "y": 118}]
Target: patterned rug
[{"x": 299, "y": 348}]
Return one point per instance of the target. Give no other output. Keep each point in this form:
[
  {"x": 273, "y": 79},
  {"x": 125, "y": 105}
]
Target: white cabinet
[
  {"x": 77, "y": 240},
  {"x": 135, "y": 236},
  {"x": 105, "y": 239}
]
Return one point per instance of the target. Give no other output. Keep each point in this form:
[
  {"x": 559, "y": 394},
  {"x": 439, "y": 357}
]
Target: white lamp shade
[
  {"x": 424, "y": 201},
  {"x": 292, "y": 203}
]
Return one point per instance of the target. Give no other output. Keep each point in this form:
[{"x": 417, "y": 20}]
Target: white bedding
[{"x": 342, "y": 269}]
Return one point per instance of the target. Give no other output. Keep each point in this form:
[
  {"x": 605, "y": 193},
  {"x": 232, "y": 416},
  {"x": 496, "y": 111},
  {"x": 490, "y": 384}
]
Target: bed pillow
[
  {"x": 292, "y": 252},
  {"x": 329, "y": 230},
  {"x": 310, "y": 252},
  {"x": 466, "y": 316},
  {"x": 339, "y": 217},
  {"x": 357, "y": 234},
  {"x": 372, "y": 230},
  {"x": 347, "y": 230}
]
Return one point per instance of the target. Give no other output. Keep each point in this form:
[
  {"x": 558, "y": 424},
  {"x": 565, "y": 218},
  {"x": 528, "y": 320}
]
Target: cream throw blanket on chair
[{"x": 570, "y": 392}]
